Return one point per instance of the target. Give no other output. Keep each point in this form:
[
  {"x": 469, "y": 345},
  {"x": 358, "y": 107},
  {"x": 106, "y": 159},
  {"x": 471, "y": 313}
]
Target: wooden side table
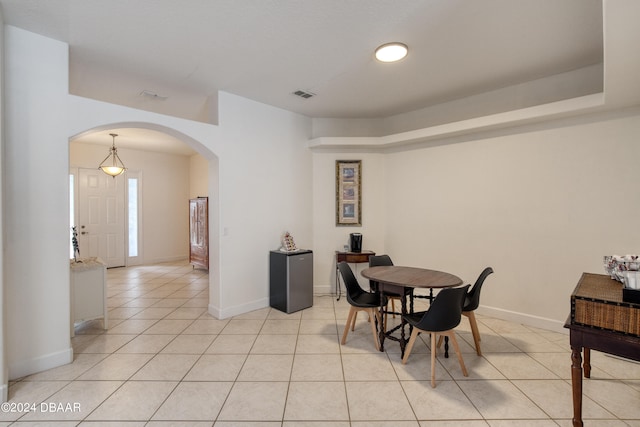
[
  {"x": 600, "y": 320},
  {"x": 353, "y": 258}
]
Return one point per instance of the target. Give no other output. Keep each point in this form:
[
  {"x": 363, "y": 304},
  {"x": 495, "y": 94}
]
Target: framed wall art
[{"x": 348, "y": 192}]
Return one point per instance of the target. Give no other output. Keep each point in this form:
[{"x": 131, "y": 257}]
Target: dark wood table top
[{"x": 411, "y": 276}]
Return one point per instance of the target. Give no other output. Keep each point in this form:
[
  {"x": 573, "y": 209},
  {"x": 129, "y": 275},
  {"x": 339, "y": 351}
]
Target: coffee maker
[{"x": 355, "y": 242}]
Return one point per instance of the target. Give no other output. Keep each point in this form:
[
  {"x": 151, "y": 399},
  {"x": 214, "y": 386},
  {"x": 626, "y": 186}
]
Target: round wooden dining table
[{"x": 394, "y": 278}]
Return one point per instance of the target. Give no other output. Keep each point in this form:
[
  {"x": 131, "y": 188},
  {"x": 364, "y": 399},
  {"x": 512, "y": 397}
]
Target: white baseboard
[
  {"x": 4, "y": 389},
  {"x": 325, "y": 290},
  {"x": 498, "y": 313},
  {"x": 238, "y": 309},
  {"x": 524, "y": 319},
  {"x": 22, "y": 368},
  {"x": 164, "y": 259}
]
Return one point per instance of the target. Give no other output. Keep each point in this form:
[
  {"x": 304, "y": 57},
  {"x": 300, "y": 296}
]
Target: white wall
[
  {"x": 198, "y": 176},
  {"x": 165, "y": 197},
  {"x": 267, "y": 190},
  {"x": 327, "y": 237},
  {"x": 35, "y": 205},
  {"x": 540, "y": 206},
  {"x": 4, "y": 374}
]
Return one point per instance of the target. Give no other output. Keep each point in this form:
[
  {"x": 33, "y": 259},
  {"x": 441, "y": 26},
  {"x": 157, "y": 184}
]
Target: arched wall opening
[{"x": 213, "y": 187}]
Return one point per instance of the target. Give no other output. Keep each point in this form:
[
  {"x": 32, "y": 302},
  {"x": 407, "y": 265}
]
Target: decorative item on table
[
  {"x": 288, "y": 245},
  {"x": 625, "y": 269},
  {"x": 74, "y": 242},
  {"x": 616, "y": 265}
]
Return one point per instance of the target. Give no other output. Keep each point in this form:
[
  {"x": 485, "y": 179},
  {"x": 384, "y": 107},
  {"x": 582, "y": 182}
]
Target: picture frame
[{"x": 349, "y": 193}]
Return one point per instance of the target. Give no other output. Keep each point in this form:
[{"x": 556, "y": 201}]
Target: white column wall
[
  {"x": 4, "y": 372},
  {"x": 267, "y": 191},
  {"x": 36, "y": 203}
]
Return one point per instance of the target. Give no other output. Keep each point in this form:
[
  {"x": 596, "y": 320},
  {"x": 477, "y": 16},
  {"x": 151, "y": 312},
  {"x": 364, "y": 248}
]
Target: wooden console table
[
  {"x": 350, "y": 257},
  {"x": 602, "y": 321}
]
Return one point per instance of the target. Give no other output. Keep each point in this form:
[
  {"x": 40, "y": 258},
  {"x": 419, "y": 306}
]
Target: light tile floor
[{"x": 166, "y": 362}]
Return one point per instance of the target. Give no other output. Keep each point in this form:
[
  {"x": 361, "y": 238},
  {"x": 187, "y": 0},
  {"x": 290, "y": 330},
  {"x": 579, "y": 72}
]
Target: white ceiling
[{"x": 188, "y": 50}]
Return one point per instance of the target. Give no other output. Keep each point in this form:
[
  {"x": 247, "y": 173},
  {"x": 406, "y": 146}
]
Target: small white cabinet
[{"x": 88, "y": 291}]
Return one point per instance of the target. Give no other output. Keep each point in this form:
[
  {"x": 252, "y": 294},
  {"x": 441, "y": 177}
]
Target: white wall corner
[
  {"x": 4, "y": 389},
  {"x": 523, "y": 319},
  {"x": 22, "y": 368},
  {"x": 225, "y": 313}
]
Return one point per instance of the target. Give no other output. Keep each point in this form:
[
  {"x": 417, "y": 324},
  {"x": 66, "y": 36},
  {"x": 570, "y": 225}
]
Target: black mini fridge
[{"x": 291, "y": 280}]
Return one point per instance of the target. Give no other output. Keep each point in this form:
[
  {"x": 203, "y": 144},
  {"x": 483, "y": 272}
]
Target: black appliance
[{"x": 355, "y": 242}]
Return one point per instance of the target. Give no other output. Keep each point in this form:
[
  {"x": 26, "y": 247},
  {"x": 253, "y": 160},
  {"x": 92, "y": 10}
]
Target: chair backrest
[
  {"x": 472, "y": 300},
  {"x": 350, "y": 282},
  {"x": 445, "y": 311},
  {"x": 379, "y": 260}
]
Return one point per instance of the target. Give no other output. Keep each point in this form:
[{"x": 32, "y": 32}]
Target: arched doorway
[{"x": 144, "y": 139}]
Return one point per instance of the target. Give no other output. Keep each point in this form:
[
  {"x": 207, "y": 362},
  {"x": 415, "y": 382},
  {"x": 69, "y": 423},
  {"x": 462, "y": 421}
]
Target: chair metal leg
[
  {"x": 474, "y": 330},
  {"x": 433, "y": 359},
  {"x": 373, "y": 328},
  {"x": 384, "y": 325}
]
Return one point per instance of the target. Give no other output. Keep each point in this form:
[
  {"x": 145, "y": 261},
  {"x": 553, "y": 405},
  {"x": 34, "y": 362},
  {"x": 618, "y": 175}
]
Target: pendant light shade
[{"x": 112, "y": 165}]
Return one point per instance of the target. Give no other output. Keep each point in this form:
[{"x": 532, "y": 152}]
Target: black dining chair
[
  {"x": 391, "y": 292},
  {"x": 360, "y": 300},
  {"x": 443, "y": 315},
  {"x": 471, "y": 303}
]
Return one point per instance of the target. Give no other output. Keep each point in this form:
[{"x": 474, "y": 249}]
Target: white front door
[{"x": 101, "y": 221}]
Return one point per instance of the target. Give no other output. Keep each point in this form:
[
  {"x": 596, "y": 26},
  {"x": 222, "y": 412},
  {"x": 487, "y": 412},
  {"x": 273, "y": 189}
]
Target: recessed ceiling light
[{"x": 391, "y": 52}]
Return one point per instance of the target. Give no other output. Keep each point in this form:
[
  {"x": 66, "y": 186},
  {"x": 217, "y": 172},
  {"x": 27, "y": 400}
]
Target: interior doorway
[{"x": 156, "y": 204}]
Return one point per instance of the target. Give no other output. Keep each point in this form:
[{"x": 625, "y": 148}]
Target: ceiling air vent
[{"x": 303, "y": 94}]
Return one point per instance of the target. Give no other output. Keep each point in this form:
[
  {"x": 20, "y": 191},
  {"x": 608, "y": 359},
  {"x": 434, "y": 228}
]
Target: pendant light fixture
[{"x": 112, "y": 165}]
